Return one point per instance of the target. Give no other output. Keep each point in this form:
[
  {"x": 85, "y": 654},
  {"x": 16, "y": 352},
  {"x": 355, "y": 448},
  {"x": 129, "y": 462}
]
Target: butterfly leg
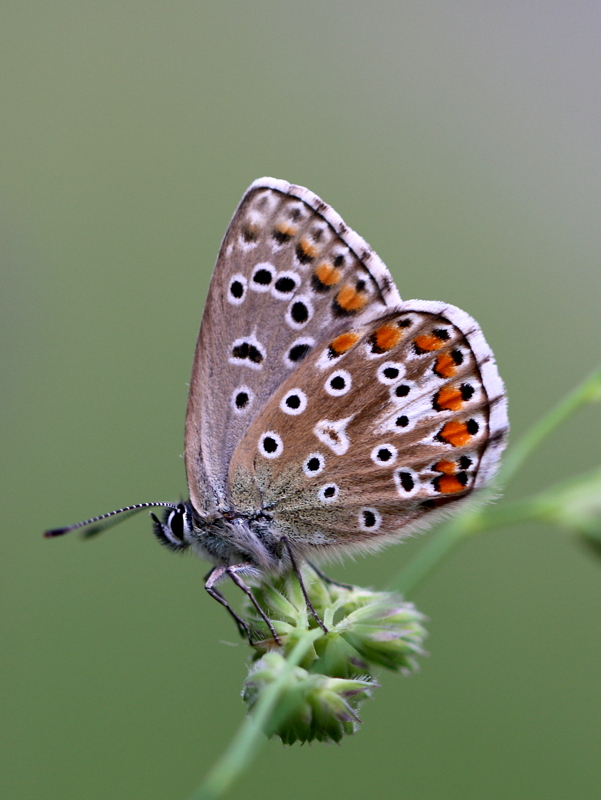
[
  {"x": 298, "y": 574},
  {"x": 233, "y": 573},
  {"x": 327, "y": 579},
  {"x": 215, "y": 575}
]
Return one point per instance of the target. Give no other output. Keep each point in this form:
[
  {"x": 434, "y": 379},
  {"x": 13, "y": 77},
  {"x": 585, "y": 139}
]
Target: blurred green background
[{"x": 462, "y": 140}]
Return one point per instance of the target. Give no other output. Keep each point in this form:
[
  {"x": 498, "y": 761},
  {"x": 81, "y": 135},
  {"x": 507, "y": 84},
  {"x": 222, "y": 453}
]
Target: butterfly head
[{"x": 175, "y": 531}]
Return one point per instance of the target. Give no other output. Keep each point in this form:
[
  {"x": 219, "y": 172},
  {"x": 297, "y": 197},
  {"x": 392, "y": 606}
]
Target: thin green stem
[
  {"x": 475, "y": 517},
  {"x": 249, "y": 736}
]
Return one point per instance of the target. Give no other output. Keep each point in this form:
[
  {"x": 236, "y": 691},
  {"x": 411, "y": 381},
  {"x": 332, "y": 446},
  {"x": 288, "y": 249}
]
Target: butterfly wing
[
  {"x": 289, "y": 274},
  {"x": 381, "y": 424}
]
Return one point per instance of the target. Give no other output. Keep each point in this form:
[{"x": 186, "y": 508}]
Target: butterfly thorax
[{"x": 225, "y": 538}]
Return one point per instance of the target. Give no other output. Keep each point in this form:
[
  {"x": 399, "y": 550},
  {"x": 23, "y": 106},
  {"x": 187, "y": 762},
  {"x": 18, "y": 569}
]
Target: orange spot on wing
[
  {"x": 448, "y": 467},
  {"x": 455, "y": 433},
  {"x": 427, "y": 342},
  {"x": 449, "y": 398},
  {"x": 344, "y": 342},
  {"x": 307, "y": 250},
  {"x": 349, "y": 299},
  {"x": 327, "y": 274},
  {"x": 445, "y": 365},
  {"x": 387, "y": 336},
  {"x": 285, "y": 230},
  {"x": 447, "y": 484}
]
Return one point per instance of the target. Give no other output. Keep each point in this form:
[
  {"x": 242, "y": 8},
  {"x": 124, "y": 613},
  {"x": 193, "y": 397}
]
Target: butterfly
[{"x": 325, "y": 414}]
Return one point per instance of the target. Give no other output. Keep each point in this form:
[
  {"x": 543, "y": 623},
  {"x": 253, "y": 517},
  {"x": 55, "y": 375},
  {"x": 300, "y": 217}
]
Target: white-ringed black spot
[
  {"x": 406, "y": 482},
  {"x": 400, "y": 391},
  {"x": 402, "y": 421},
  {"x": 314, "y": 464},
  {"x": 370, "y": 519},
  {"x": 294, "y": 402},
  {"x": 328, "y": 493},
  {"x": 241, "y": 399},
  {"x": 299, "y": 312},
  {"x": 384, "y": 454},
  {"x": 237, "y": 289},
  {"x": 271, "y": 445},
  {"x": 466, "y": 391},
  {"x": 390, "y": 372},
  {"x": 298, "y": 350},
  {"x": 441, "y": 333},
  {"x": 338, "y": 383},
  {"x": 285, "y": 285},
  {"x": 465, "y": 462},
  {"x": 262, "y": 277},
  {"x": 247, "y": 351}
]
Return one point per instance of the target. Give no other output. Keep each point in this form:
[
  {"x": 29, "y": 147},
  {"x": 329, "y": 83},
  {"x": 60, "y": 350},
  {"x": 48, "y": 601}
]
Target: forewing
[
  {"x": 289, "y": 275},
  {"x": 379, "y": 426}
]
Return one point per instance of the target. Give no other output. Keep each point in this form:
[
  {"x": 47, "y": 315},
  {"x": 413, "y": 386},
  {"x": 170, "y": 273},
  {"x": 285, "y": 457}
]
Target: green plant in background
[{"x": 311, "y": 686}]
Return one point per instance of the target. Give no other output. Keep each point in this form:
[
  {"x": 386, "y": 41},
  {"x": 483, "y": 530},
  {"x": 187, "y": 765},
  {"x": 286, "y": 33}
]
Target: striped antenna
[{"x": 97, "y": 528}]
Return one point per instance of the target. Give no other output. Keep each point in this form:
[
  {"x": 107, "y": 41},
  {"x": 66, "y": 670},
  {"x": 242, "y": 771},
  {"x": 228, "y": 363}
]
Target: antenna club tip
[{"x": 55, "y": 532}]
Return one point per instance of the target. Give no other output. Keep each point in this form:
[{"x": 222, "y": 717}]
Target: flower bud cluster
[
  {"x": 366, "y": 630},
  {"x": 312, "y": 705}
]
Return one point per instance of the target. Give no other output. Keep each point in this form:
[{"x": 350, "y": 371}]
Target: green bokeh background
[{"x": 462, "y": 140}]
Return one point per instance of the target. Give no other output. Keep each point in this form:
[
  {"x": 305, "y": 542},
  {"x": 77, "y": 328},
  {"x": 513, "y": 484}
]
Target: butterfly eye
[
  {"x": 175, "y": 523},
  {"x": 172, "y": 531}
]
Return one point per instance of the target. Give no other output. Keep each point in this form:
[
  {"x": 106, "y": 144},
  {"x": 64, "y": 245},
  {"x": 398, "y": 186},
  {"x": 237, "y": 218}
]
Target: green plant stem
[
  {"x": 475, "y": 518},
  {"x": 250, "y": 736}
]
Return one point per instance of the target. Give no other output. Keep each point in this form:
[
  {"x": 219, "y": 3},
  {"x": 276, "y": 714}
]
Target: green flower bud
[
  {"x": 312, "y": 706},
  {"x": 365, "y": 628}
]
